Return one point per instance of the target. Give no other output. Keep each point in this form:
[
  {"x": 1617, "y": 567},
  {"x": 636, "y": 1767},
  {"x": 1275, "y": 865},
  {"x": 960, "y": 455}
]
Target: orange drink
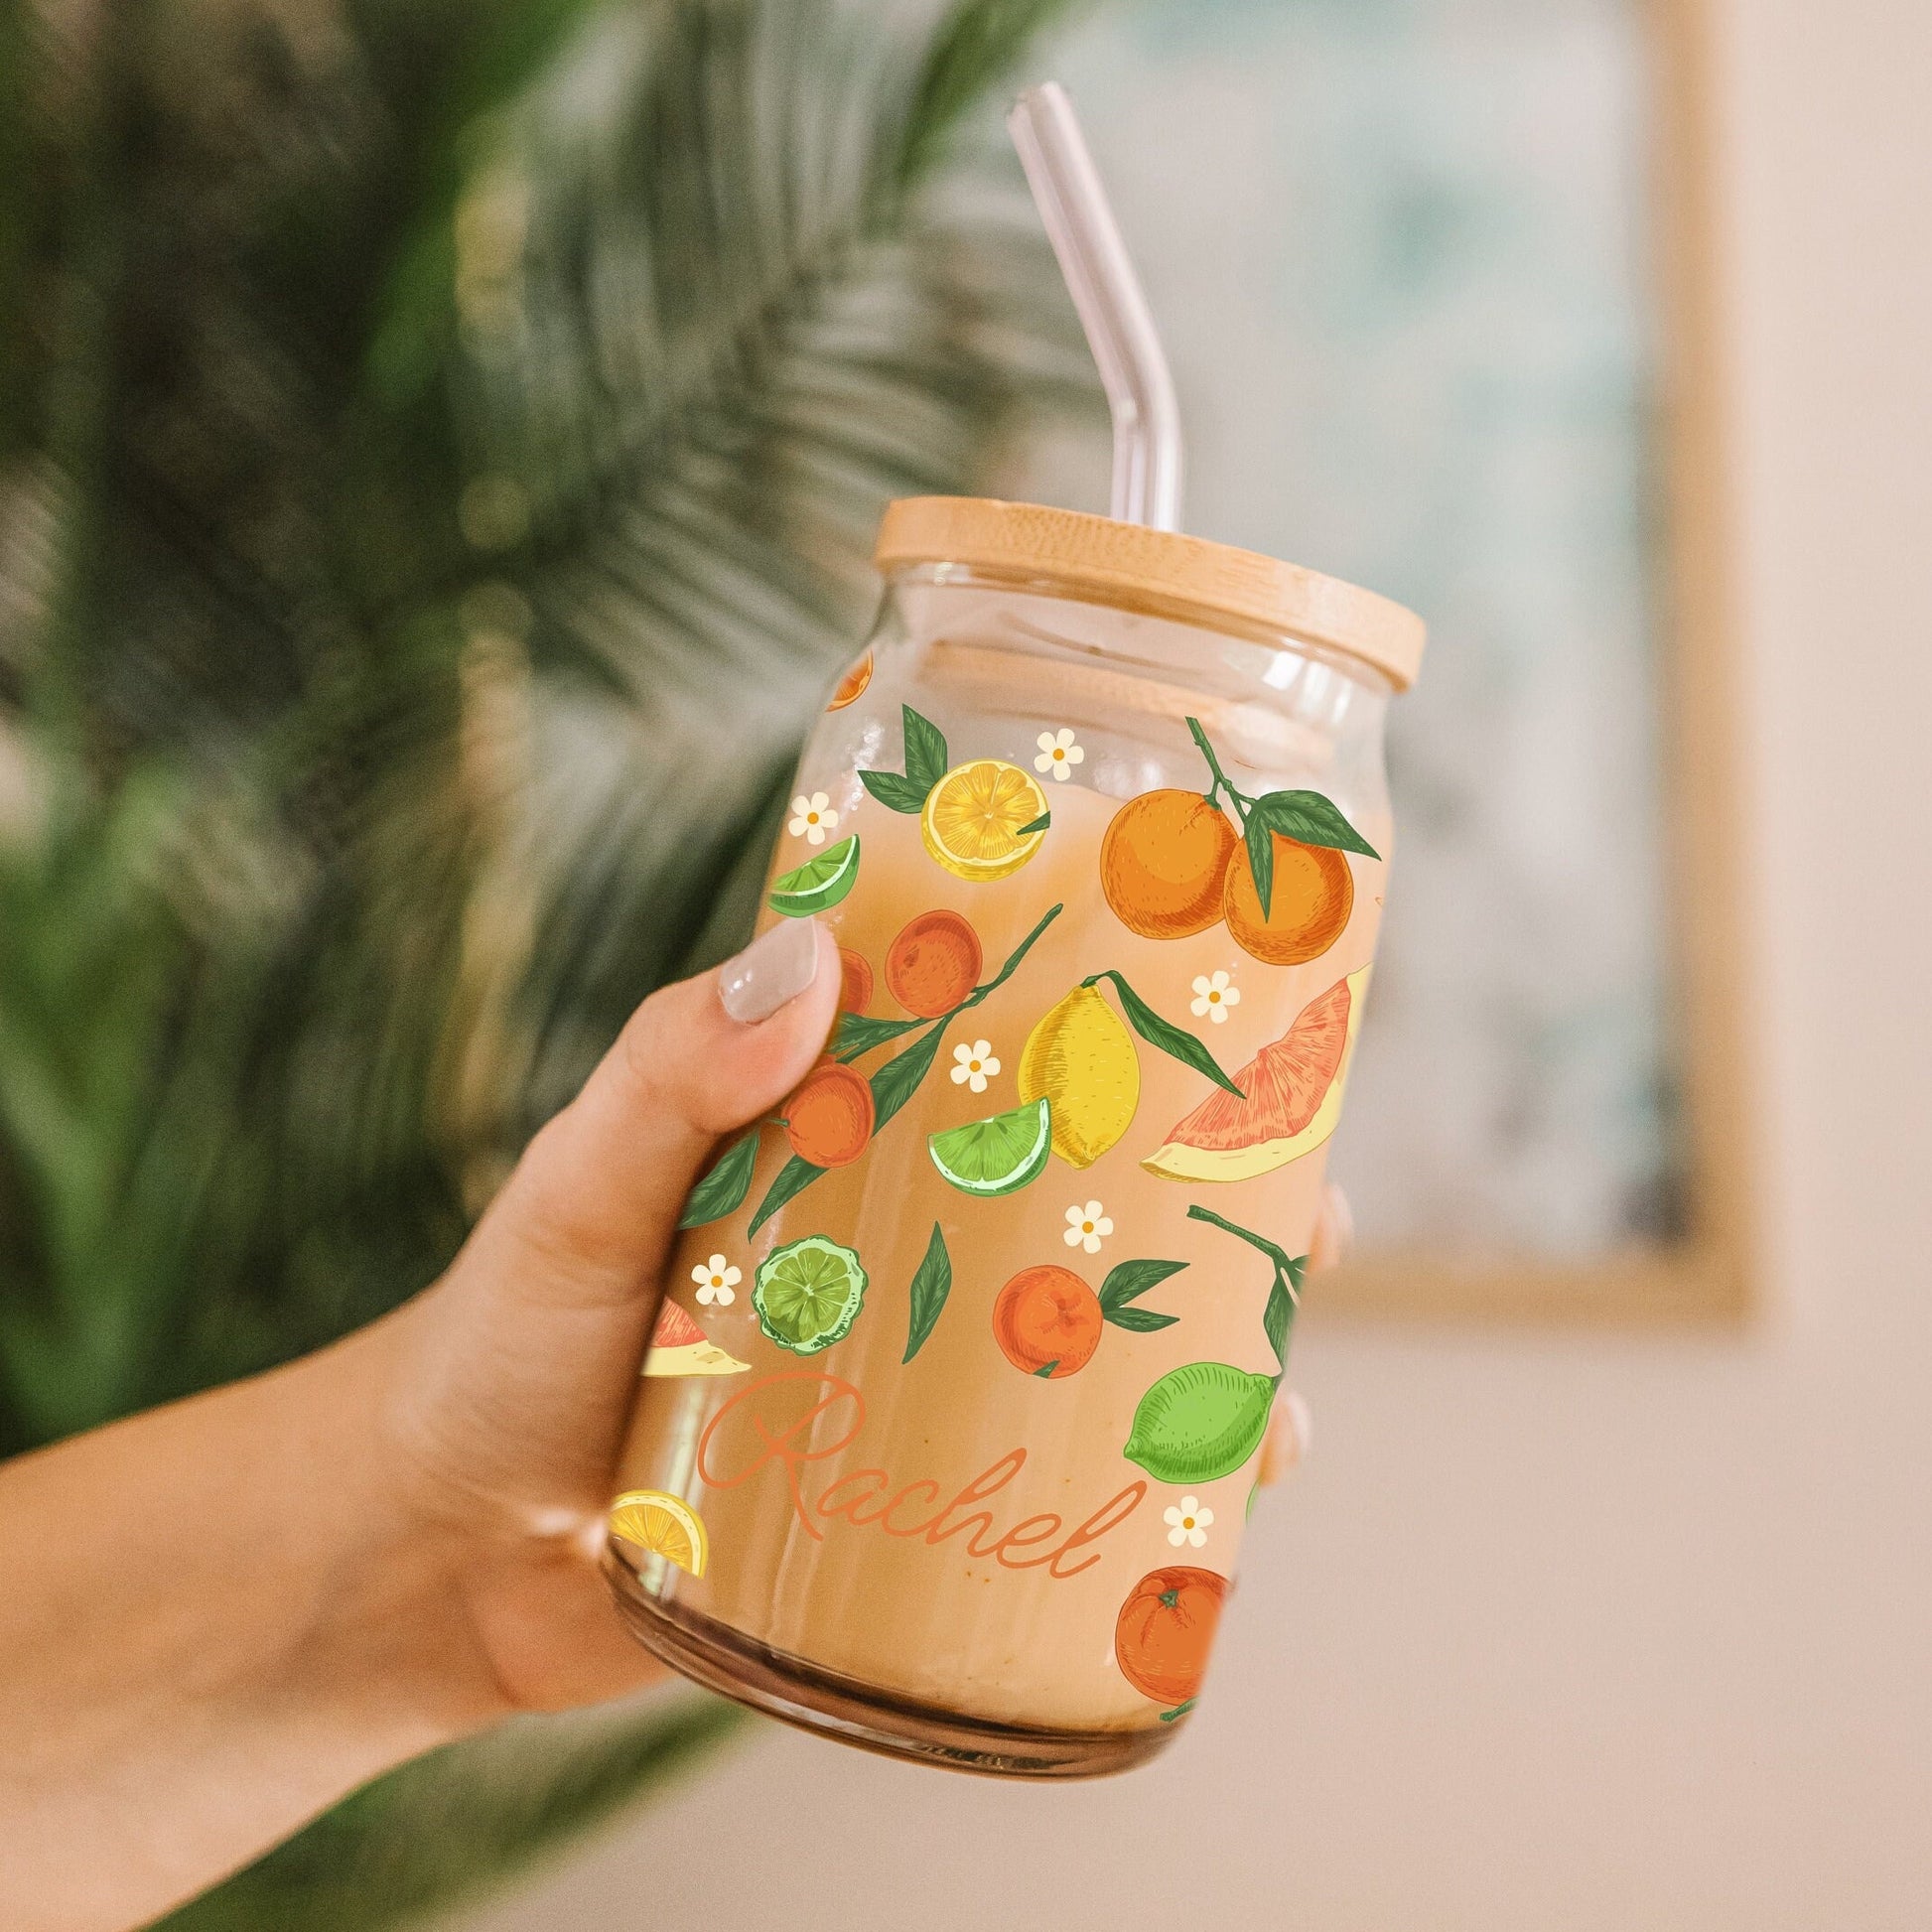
[{"x": 950, "y": 1429}]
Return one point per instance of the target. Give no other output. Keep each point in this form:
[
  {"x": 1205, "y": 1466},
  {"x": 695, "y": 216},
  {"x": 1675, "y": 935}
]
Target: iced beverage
[{"x": 951, "y": 1423}]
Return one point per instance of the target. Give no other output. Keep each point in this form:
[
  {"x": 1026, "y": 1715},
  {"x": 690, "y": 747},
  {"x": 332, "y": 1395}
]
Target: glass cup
[{"x": 954, "y": 1408}]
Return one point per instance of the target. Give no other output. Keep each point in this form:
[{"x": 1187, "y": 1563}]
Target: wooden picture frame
[{"x": 1706, "y": 1276}]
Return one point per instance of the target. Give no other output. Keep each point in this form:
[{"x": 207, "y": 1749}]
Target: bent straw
[{"x": 1110, "y": 303}]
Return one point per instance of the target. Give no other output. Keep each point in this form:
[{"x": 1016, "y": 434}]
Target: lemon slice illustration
[
  {"x": 975, "y": 818},
  {"x": 819, "y": 883},
  {"x": 998, "y": 1156},
  {"x": 664, "y": 1525},
  {"x": 808, "y": 1293}
]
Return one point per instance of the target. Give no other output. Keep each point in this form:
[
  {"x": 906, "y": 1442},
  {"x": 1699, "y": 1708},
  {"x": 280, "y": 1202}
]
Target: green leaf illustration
[
  {"x": 925, "y": 750},
  {"x": 1038, "y": 824},
  {"x": 1284, "y": 1296},
  {"x": 893, "y": 790},
  {"x": 857, "y": 1035},
  {"x": 930, "y": 1286},
  {"x": 1139, "y": 1322},
  {"x": 1179, "y": 1711},
  {"x": 1305, "y": 816},
  {"x": 1128, "y": 1283},
  {"x": 898, "y": 1080},
  {"x": 724, "y": 1186},
  {"x": 1171, "y": 1040},
  {"x": 925, "y": 765},
  {"x": 1046, "y": 1369},
  {"x": 792, "y": 1178},
  {"x": 1277, "y": 1318},
  {"x": 1260, "y": 839}
]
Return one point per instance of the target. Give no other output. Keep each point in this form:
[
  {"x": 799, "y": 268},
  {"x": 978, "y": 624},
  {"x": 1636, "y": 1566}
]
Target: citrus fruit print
[
  {"x": 1165, "y": 1631},
  {"x": 808, "y": 1293},
  {"x": 852, "y": 686},
  {"x": 829, "y": 1119},
  {"x": 1048, "y": 1322},
  {"x": 1164, "y": 864},
  {"x": 662, "y": 1525},
  {"x": 855, "y": 980},
  {"x": 981, "y": 821},
  {"x": 1080, "y": 1058},
  {"x": 678, "y": 1346},
  {"x": 819, "y": 884},
  {"x": 1201, "y": 1422},
  {"x": 1314, "y": 893},
  {"x": 1235, "y": 889},
  {"x": 989, "y": 1157},
  {"x": 933, "y": 963},
  {"x": 1291, "y": 1099}
]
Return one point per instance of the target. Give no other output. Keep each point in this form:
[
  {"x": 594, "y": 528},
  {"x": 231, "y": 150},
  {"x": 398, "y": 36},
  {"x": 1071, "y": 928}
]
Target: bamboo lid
[{"x": 1132, "y": 564}]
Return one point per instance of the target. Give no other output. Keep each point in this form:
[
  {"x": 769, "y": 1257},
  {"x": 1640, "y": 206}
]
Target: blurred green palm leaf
[{"x": 440, "y": 444}]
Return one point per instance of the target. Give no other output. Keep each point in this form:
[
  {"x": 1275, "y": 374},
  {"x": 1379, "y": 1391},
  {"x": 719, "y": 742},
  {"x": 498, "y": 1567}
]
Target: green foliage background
[{"x": 440, "y": 446}]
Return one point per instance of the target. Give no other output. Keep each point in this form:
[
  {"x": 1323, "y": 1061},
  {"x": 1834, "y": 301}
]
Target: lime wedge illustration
[
  {"x": 1199, "y": 1421},
  {"x": 818, "y": 883},
  {"x": 997, "y": 1156},
  {"x": 808, "y": 1293}
]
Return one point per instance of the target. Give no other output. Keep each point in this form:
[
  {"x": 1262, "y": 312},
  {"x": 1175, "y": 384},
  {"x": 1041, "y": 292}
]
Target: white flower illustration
[
  {"x": 1188, "y": 1525},
  {"x": 812, "y": 816},
  {"x": 1058, "y": 753},
  {"x": 1087, "y": 1228},
  {"x": 1213, "y": 996},
  {"x": 715, "y": 1281},
  {"x": 974, "y": 1065}
]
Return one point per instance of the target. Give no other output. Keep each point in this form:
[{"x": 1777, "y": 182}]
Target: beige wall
[{"x": 1570, "y": 1630}]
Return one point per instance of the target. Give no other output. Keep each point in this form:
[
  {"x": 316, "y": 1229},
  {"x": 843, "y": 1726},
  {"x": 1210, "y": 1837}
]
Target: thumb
[
  {"x": 526, "y": 1363},
  {"x": 592, "y": 1208}
]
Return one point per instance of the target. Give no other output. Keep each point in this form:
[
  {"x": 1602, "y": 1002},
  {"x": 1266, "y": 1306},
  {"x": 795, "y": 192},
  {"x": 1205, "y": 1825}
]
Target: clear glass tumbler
[{"x": 953, "y": 1410}]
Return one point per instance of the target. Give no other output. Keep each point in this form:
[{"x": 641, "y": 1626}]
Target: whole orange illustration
[
  {"x": 1048, "y": 1322},
  {"x": 933, "y": 963},
  {"x": 1166, "y": 1630},
  {"x": 829, "y": 1119},
  {"x": 1313, "y": 895},
  {"x": 1164, "y": 864}
]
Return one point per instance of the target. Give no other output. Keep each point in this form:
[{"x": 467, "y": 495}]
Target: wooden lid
[{"x": 1132, "y": 564}]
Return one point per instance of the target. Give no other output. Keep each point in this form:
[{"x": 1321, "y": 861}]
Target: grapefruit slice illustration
[
  {"x": 678, "y": 1348},
  {"x": 1293, "y": 1090}
]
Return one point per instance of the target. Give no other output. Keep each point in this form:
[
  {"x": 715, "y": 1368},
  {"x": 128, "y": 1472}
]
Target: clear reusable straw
[{"x": 1110, "y": 303}]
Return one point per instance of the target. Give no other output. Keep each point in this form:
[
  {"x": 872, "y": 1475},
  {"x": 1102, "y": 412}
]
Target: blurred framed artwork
[{"x": 1435, "y": 276}]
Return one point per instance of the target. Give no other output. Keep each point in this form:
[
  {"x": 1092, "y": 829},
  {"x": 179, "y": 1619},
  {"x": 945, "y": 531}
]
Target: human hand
[{"x": 508, "y": 1387}]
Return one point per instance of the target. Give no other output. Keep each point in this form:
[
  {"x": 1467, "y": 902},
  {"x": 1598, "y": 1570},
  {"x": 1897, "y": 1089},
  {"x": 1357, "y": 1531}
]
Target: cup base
[{"x": 784, "y": 1685}]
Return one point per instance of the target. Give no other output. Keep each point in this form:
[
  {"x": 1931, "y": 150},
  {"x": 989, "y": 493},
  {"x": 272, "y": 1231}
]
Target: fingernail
[{"x": 775, "y": 967}]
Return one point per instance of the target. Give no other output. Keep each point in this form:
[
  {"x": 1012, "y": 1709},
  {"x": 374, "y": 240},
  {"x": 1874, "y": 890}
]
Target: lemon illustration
[
  {"x": 1081, "y": 1059},
  {"x": 976, "y": 818},
  {"x": 665, "y": 1525}
]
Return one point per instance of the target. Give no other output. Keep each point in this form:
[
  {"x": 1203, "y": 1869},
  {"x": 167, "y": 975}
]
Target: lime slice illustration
[
  {"x": 997, "y": 1156},
  {"x": 1199, "y": 1421},
  {"x": 819, "y": 883},
  {"x": 808, "y": 1293}
]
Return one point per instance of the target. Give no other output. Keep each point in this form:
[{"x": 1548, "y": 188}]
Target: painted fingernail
[{"x": 775, "y": 967}]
